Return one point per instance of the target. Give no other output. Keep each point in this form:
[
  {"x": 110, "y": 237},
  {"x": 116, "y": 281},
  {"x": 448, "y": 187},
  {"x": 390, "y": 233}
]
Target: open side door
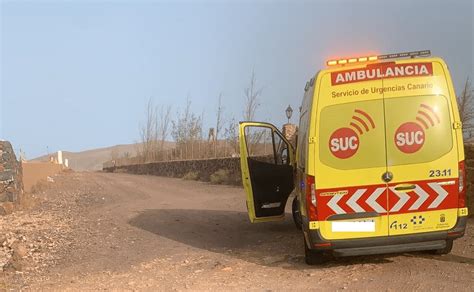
[{"x": 267, "y": 161}]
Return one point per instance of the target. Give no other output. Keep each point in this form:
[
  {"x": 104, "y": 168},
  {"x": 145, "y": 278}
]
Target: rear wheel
[
  {"x": 313, "y": 257},
  {"x": 446, "y": 250},
  {"x": 295, "y": 210}
]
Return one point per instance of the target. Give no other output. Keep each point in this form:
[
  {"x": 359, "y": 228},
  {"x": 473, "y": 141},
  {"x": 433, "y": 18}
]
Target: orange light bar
[{"x": 380, "y": 57}]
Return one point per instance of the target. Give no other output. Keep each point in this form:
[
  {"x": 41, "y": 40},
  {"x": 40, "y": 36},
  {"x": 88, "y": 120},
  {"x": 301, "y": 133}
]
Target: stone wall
[
  {"x": 204, "y": 168},
  {"x": 11, "y": 179}
]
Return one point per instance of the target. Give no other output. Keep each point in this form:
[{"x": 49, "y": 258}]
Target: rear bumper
[{"x": 386, "y": 244}]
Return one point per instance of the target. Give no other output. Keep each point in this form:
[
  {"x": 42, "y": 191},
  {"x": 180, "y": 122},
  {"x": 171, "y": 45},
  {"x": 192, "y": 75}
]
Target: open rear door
[{"x": 266, "y": 159}]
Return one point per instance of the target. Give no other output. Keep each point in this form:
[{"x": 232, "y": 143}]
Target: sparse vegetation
[
  {"x": 252, "y": 94},
  {"x": 219, "y": 122},
  {"x": 222, "y": 176},
  {"x": 186, "y": 130},
  {"x": 148, "y": 133},
  {"x": 153, "y": 132},
  {"x": 192, "y": 175}
]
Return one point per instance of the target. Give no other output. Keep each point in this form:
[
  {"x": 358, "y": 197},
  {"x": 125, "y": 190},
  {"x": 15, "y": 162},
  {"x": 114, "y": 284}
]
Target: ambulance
[{"x": 378, "y": 165}]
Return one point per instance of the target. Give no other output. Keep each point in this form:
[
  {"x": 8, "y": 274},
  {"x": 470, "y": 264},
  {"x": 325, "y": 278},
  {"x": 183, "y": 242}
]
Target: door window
[{"x": 265, "y": 145}]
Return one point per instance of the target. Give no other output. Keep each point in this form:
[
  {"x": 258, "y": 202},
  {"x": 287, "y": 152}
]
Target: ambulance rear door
[
  {"x": 348, "y": 157},
  {"x": 422, "y": 156}
]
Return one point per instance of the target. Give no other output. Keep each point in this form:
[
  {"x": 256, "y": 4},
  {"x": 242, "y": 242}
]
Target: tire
[
  {"x": 313, "y": 257},
  {"x": 295, "y": 210},
  {"x": 446, "y": 250}
]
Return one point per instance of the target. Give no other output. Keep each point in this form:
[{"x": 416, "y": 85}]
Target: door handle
[{"x": 405, "y": 188}]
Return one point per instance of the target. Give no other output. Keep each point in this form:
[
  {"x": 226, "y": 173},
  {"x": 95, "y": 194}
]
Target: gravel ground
[{"x": 123, "y": 232}]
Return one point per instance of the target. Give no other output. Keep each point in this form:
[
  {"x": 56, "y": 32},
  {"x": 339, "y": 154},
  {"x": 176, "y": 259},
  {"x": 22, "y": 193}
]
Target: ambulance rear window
[
  {"x": 411, "y": 129},
  {"x": 418, "y": 129},
  {"x": 352, "y": 135}
]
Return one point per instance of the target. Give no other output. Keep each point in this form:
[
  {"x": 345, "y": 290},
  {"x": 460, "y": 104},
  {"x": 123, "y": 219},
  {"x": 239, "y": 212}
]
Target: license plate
[{"x": 353, "y": 226}]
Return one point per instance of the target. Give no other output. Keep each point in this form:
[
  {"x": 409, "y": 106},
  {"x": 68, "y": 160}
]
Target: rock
[{"x": 19, "y": 250}]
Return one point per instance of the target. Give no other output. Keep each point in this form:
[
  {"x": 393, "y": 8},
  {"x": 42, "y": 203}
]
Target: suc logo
[
  {"x": 344, "y": 142},
  {"x": 409, "y": 137}
]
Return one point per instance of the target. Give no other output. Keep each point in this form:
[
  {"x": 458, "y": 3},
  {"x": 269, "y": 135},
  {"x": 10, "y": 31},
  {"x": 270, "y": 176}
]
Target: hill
[{"x": 91, "y": 160}]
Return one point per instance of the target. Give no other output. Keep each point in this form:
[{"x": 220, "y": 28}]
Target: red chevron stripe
[
  {"x": 448, "y": 203},
  {"x": 387, "y": 201}
]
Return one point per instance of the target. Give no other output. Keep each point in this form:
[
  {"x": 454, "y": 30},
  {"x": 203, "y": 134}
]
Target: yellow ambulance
[{"x": 379, "y": 162}]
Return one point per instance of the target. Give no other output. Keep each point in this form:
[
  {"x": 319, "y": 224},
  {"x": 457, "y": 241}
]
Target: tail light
[
  {"x": 462, "y": 185},
  {"x": 311, "y": 198}
]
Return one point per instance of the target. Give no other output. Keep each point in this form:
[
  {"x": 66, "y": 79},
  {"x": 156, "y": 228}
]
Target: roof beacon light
[{"x": 424, "y": 53}]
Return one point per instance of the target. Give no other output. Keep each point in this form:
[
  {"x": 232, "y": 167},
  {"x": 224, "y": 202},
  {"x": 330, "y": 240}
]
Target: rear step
[{"x": 397, "y": 248}]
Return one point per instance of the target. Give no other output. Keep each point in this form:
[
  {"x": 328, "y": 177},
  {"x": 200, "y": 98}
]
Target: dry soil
[{"x": 118, "y": 231}]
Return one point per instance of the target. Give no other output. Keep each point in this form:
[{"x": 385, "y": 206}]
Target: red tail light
[
  {"x": 311, "y": 198},
  {"x": 462, "y": 185}
]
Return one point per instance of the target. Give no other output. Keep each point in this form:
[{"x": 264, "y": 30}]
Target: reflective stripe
[
  {"x": 371, "y": 201},
  {"x": 352, "y": 202},
  {"x": 422, "y": 196},
  {"x": 442, "y": 194},
  {"x": 334, "y": 206},
  {"x": 404, "y": 197}
]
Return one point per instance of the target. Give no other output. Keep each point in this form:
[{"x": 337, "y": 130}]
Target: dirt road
[{"x": 119, "y": 231}]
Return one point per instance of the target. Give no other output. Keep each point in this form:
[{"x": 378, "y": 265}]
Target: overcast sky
[{"x": 77, "y": 75}]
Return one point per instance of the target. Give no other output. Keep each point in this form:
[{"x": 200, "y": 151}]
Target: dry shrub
[
  {"x": 192, "y": 175},
  {"x": 40, "y": 187},
  {"x": 222, "y": 176}
]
